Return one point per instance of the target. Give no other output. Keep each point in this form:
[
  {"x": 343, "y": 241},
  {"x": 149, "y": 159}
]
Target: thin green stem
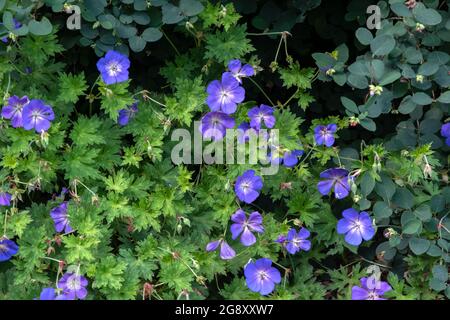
[
  {"x": 284, "y": 268},
  {"x": 4, "y": 226},
  {"x": 278, "y": 50},
  {"x": 7, "y": 87},
  {"x": 262, "y": 91},
  {"x": 265, "y": 33},
  {"x": 170, "y": 42},
  {"x": 292, "y": 97}
]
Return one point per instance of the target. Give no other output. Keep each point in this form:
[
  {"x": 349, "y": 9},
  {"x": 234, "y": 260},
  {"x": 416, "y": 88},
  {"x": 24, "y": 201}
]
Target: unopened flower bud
[
  {"x": 389, "y": 232},
  {"x": 95, "y": 200},
  {"x": 375, "y": 90},
  {"x": 419, "y": 78},
  {"x": 330, "y": 72},
  {"x": 67, "y": 7},
  {"x": 419, "y": 27},
  {"x": 427, "y": 170},
  {"x": 353, "y": 121}
]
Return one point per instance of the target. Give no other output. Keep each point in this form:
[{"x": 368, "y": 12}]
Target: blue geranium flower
[
  {"x": 113, "y": 67},
  {"x": 261, "y": 277},
  {"x": 8, "y": 248}
]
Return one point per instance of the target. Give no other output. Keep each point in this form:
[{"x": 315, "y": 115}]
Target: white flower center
[
  {"x": 372, "y": 295},
  {"x": 74, "y": 283},
  {"x": 114, "y": 68},
  {"x": 357, "y": 225},
  {"x": 36, "y": 114},
  {"x": 262, "y": 275},
  {"x": 296, "y": 241},
  {"x": 245, "y": 186}
]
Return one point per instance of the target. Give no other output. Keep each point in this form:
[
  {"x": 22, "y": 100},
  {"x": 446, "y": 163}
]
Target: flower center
[
  {"x": 35, "y": 114},
  {"x": 261, "y": 116},
  {"x": 224, "y": 95},
  {"x": 114, "y": 68},
  {"x": 372, "y": 295},
  {"x": 245, "y": 186},
  {"x": 262, "y": 275},
  {"x": 73, "y": 283},
  {"x": 357, "y": 225},
  {"x": 215, "y": 121},
  {"x": 18, "y": 107},
  {"x": 296, "y": 241},
  {"x": 3, "y": 248},
  {"x": 324, "y": 132}
]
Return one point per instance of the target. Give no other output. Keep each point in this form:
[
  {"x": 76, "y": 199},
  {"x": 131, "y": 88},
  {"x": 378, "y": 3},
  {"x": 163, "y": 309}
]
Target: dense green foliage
[{"x": 142, "y": 223}]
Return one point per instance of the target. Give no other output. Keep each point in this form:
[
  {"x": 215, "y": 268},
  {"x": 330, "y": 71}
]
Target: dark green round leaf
[
  {"x": 140, "y": 5},
  {"x": 191, "y": 7},
  {"x": 349, "y": 105},
  {"x": 440, "y": 272},
  {"x": 403, "y": 198},
  {"x": 412, "y": 227},
  {"x": 407, "y": 105},
  {"x": 364, "y": 36},
  {"x": 413, "y": 55},
  {"x": 382, "y": 45},
  {"x": 40, "y": 28},
  {"x": 151, "y": 34},
  {"x": 125, "y": 31},
  {"x": 426, "y": 16},
  {"x": 367, "y": 184},
  {"x": 368, "y": 124},
  {"x": 423, "y": 212},
  {"x": 389, "y": 77},
  {"x": 8, "y": 21},
  {"x": 381, "y": 210},
  {"x": 401, "y": 10},
  {"x": 421, "y": 98},
  {"x": 171, "y": 14},
  {"x": 107, "y": 21},
  {"x": 141, "y": 18},
  {"x": 419, "y": 246},
  {"x": 444, "y": 97},
  {"x": 359, "y": 82},
  {"x": 137, "y": 44},
  {"x": 428, "y": 69}
]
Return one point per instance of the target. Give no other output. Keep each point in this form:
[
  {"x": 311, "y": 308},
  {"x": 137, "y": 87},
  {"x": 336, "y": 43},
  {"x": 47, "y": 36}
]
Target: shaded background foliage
[{"x": 149, "y": 212}]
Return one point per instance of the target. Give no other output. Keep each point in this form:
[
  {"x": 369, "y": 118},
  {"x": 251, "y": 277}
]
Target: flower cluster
[
  {"x": 28, "y": 114},
  {"x": 223, "y": 98}
]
